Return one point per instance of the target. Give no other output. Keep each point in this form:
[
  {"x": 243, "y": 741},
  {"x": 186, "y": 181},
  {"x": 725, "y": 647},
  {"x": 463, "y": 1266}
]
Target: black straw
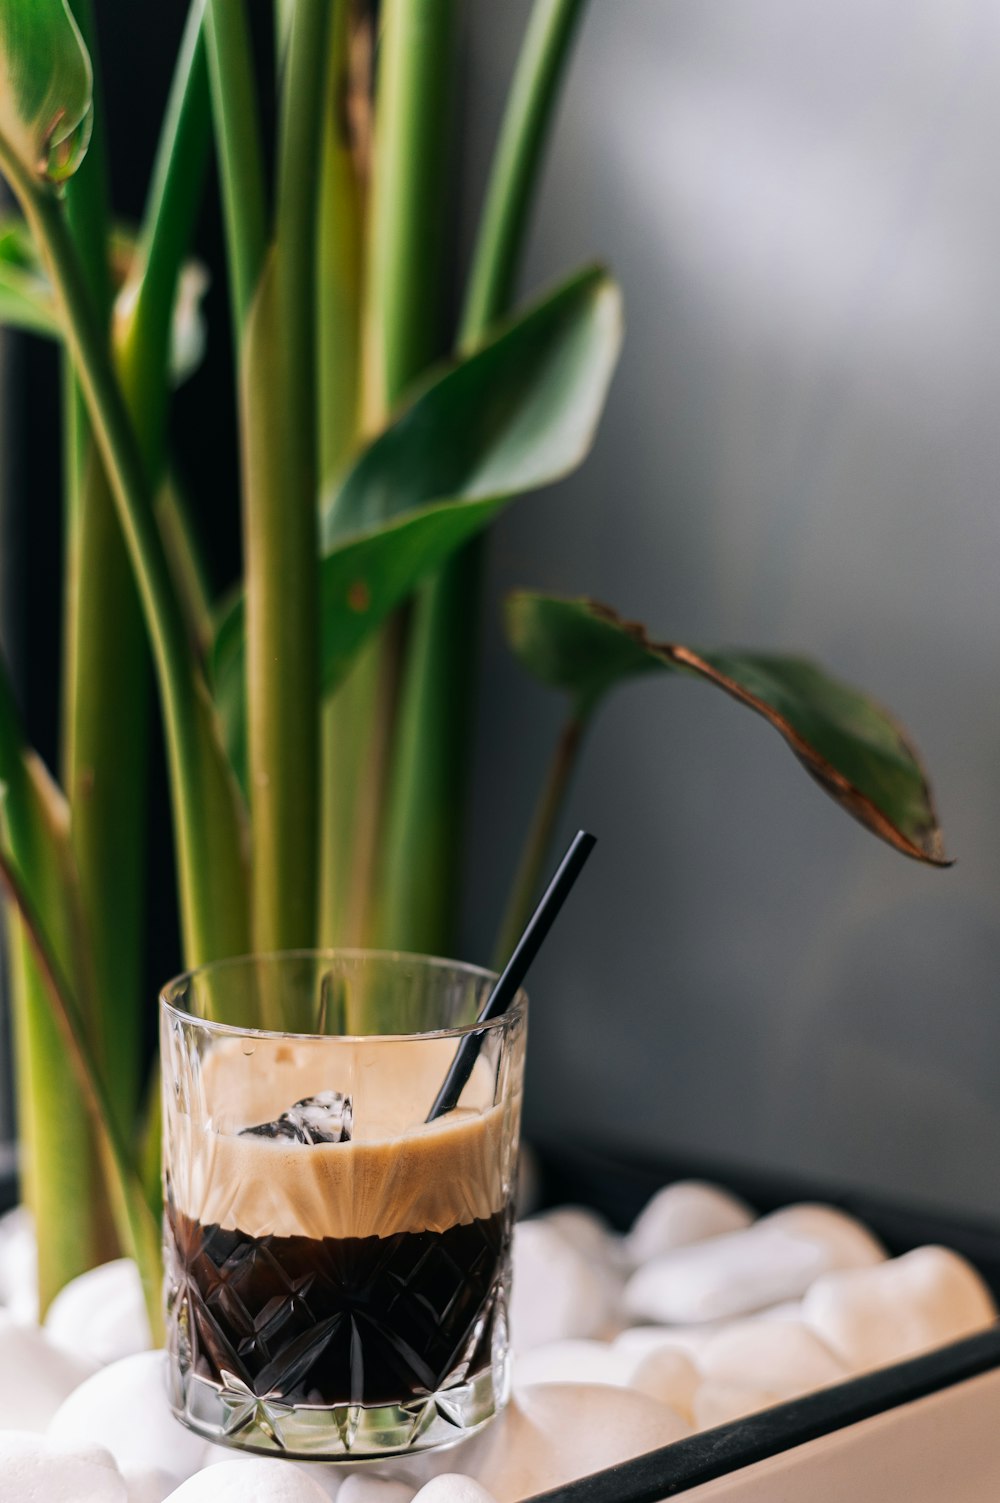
[{"x": 515, "y": 970}]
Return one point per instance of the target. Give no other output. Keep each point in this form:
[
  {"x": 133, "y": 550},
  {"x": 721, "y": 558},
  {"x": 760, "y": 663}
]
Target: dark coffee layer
[{"x": 339, "y": 1320}]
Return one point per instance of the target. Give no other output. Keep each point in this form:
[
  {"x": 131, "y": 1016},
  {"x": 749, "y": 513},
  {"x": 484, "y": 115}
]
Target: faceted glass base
[{"x": 231, "y": 1415}]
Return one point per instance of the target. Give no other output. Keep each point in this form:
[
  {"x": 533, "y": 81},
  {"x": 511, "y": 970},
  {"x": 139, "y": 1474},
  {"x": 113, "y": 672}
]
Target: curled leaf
[
  {"x": 848, "y": 743},
  {"x": 46, "y": 88}
]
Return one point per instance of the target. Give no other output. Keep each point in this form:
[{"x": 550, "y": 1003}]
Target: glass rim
[{"x": 517, "y": 1007}]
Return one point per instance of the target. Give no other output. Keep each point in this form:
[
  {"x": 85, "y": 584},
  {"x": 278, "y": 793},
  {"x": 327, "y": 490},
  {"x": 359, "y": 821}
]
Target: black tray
[{"x": 618, "y": 1185}]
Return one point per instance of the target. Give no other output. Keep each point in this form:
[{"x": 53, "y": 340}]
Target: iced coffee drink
[{"x": 337, "y": 1265}]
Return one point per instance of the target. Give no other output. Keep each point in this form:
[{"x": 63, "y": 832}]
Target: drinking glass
[{"x": 337, "y": 1266}]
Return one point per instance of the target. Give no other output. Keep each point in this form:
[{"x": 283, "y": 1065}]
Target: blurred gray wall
[{"x": 802, "y": 447}]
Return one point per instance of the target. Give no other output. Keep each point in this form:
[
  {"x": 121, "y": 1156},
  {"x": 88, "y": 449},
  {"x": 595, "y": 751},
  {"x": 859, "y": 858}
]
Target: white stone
[
  {"x": 453, "y": 1487},
  {"x": 19, "y": 1266},
  {"x": 32, "y": 1471},
  {"x": 669, "y": 1377},
  {"x": 554, "y": 1433},
  {"x": 782, "y": 1358},
  {"x": 874, "y": 1316},
  {"x": 719, "y": 1403},
  {"x": 102, "y": 1313},
  {"x": 789, "y": 1309},
  {"x": 35, "y": 1378},
  {"x": 742, "y": 1272},
  {"x": 258, "y": 1479},
  {"x": 573, "y": 1362},
  {"x": 363, "y": 1487},
  {"x": 639, "y": 1341},
  {"x": 682, "y": 1213},
  {"x": 124, "y": 1407},
  {"x": 589, "y": 1233},
  {"x": 557, "y": 1293},
  {"x": 147, "y": 1485}
]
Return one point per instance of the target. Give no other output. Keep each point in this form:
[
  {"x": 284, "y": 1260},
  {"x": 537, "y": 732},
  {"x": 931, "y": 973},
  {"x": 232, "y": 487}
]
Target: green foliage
[
  {"x": 849, "y": 744},
  {"x": 316, "y": 720}
]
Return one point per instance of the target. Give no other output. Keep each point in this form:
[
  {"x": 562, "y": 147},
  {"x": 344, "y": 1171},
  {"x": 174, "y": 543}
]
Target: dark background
[{"x": 800, "y": 452}]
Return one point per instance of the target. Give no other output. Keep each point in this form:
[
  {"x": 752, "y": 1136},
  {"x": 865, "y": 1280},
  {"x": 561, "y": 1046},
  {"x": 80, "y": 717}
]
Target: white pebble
[
  {"x": 589, "y": 1233},
  {"x": 742, "y": 1272},
  {"x": 573, "y": 1362},
  {"x": 554, "y": 1433},
  {"x": 363, "y": 1487},
  {"x": 260, "y": 1478},
  {"x": 874, "y": 1316},
  {"x": 453, "y": 1487},
  {"x": 101, "y": 1313},
  {"x": 719, "y": 1403},
  {"x": 685, "y": 1212},
  {"x": 781, "y": 1358},
  {"x": 146, "y": 1485},
  {"x": 35, "y": 1378},
  {"x": 125, "y": 1408},
  {"x": 31, "y": 1469},
  {"x": 19, "y": 1266},
  {"x": 669, "y": 1377},
  {"x": 639, "y": 1341},
  {"x": 557, "y": 1293}
]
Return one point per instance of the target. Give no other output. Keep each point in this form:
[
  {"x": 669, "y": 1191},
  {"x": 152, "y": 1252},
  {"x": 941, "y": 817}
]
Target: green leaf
[
  {"x": 518, "y": 414},
  {"x": 849, "y": 744},
  {"x": 46, "y": 84}
]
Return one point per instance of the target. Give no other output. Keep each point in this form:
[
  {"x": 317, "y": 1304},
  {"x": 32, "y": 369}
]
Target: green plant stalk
[
  {"x": 210, "y": 835},
  {"x": 410, "y": 177},
  {"x": 105, "y": 689},
  {"x": 281, "y": 520},
  {"x": 345, "y": 715},
  {"x": 187, "y": 564},
  {"x": 106, "y": 662},
  {"x": 517, "y": 163},
  {"x": 141, "y": 1228},
  {"x": 237, "y": 135},
  {"x": 145, "y": 309},
  {"x": 403, "y": 320},
  {"x": 60, "y": 1169},
  {"x": 61, "y": 1177},
  {"x": 429, "y": 786},
  {"x": 541, "y": 831}
]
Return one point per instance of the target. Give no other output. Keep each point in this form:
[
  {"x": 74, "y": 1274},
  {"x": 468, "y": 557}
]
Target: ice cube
[{"x": 325, "y": 1118}]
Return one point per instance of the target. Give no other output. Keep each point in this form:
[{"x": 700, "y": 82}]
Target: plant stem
[
  {"x": 517, "y": 163},
  {"x": 431, "y": 772},
  {"x": 280, "y": 519},
  {"x": 537, "y": 847},
  {"x": 403, "y": 321},
  {"x": 209, "y": 834},
  {"x": 237, "y": 135},
  {"x": 61, "y": 1178},
  {"x": 143, "y": 1233},
  {"x": 406, "y": 241},
  {"x": 105, "y": 673},
  {"x": 347, "y": 714},
  {"x": 147, "y": 302}
]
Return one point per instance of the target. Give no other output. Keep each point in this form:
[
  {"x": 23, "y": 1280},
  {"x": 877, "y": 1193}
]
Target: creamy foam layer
[{"x": 398, "y": 1173}]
